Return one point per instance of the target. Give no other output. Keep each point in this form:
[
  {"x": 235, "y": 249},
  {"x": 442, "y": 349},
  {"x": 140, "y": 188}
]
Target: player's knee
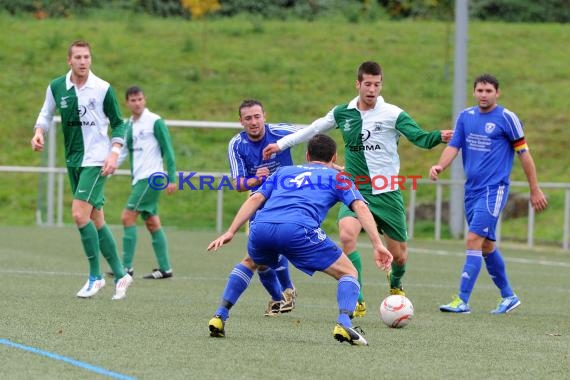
[{"x": 248, "y": 262}]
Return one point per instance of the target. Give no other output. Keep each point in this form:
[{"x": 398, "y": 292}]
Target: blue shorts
[
  {"x": 309, "y": 250},
  {"x": 483, "y": 208}
]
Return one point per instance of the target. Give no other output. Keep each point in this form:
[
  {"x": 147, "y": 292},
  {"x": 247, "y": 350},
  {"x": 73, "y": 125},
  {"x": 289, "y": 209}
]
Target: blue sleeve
[
  {"x": 458, "y": 133},
  {"x": 513, "y": 126},
  {"x": 237, "y": 164}
]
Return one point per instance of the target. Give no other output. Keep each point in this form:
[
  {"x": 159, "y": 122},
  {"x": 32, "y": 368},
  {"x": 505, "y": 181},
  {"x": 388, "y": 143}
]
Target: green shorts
[
  {"x": 388, "y": 211},
  {"x": 87, "y": 184},
  {"x": 143, "y": 199}
]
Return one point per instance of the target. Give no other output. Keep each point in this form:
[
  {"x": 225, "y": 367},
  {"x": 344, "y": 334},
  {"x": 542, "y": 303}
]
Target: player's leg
[
  {"x": 81, "y": 212},
  {"x": 287, "y": 287},
  {"x": 128, "y": 219},
  {"x": 477, "y": 217},
  {"x": 349, "y": 229},
  {"x": 390, "y": 216},
  {"x": 492, "y": 256},
  {"x": 160, "y": 247}
]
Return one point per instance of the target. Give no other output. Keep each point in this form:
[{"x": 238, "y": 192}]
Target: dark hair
[
  {"x": 486, "y": 78},
  {"x": 133, "y": 90},
  {"x": 370, "y": 68},
  {"x": 321, "y": 148},
  {"x": 249, "y": 103},
  {"x": 78, "y": 43}
]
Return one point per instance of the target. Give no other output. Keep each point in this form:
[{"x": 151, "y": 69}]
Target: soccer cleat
[
  {"x": 360, "y": 310},
  {"x": 350, "y": 335},
  {"x": 216, "y": 326},
  {"x": 397, "y": 292},
  {"x": 506, "y": 304},
  {"x": 289, "y": 297},
  {"x": 130, "y": 271},
  {"x": 121, "y": 287},
  {"x": 91, "y": 287},
  {"x": 273, "y": 308},
  {"x": 456, "y": 306},
  {"x": 157, "y": 274}
]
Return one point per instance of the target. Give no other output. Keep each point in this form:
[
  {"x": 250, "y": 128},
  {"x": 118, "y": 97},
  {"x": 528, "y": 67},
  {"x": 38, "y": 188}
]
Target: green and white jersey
[
  {"x": 86, "y": 114},
  {"x": 148, "y": 142},
  {"x": 370, "y": 139}
]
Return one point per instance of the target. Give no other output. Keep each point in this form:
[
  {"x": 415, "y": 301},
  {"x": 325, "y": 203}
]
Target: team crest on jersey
[
  {"x": 490, "y": 127},
  {"x": 347, "y": 124},
  {"x": 377, "y": 126},
  {"x": 91, "y": 104},
  {"x": 62, "y": 102}
]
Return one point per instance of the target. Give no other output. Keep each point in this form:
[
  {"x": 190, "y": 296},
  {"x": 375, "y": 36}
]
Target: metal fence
[{"x": 55, "y": 190}]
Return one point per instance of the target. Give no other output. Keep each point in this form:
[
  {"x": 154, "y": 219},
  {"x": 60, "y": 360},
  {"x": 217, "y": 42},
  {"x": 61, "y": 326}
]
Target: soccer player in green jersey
[
  {"x": 87, "y": 105},
  {"x": 148, "y": 144},
  {"x": 371, "y": 128}
]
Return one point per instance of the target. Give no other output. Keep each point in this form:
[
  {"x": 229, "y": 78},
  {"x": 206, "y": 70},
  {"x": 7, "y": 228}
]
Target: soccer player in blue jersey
[
  {"x": 249, "y": 171},
  {"x": 295, "y": 200},
  {"x": 488, "y": 136}
]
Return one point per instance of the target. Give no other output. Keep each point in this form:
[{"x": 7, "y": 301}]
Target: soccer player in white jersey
[
  {"x": 371, "y": 129},
  {"x": 488, "y": 136},
  {"x": 148, "y": 146},
  {"x": 87, "y": 105},
  {"x": 292, "y": 204},
  {"x": 249, "y": 170}
]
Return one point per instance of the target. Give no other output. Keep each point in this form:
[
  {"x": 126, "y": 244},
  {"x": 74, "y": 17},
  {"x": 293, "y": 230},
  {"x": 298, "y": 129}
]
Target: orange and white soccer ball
[{"x": 396, "y": 311}]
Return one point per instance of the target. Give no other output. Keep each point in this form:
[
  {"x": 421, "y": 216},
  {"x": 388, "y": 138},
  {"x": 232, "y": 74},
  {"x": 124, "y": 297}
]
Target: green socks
[
  {"x": 108, "y": 248},
  {"x": 160, "y": 246},
  {"x": 90, "y": 241},
  {"x": 354, "y": 257},
  {"x": 396, "y": 275},
  {"x": 129, "y": 245}
]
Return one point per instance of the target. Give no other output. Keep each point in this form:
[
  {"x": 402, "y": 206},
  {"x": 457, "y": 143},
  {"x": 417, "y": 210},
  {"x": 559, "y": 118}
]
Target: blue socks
[
  {"x": 496, "y": 268},
  {"x": 282, "y": 272},
  {"x": 347, "y": 296},
  {"x": 471, "y": 269},
  {"x": 269, "y": 280},
  {"x": 238, "y": 282}
]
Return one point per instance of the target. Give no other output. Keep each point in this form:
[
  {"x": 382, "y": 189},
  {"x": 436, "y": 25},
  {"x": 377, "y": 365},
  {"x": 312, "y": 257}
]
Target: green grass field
[{"x": 160, "y": 330}]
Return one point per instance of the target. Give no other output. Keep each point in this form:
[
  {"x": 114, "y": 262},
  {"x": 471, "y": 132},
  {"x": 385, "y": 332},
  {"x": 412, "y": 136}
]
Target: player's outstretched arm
[
  {"x": 382, "y": 256},
  {"x": 447, "y": 157},
  {"x": 246, "y": 211}
]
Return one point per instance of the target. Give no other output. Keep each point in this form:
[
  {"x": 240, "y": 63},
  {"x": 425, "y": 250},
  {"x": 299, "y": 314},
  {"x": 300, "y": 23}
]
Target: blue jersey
[
  {"x": 303, "y": 195},
  {"x": 487, "y": 142},
  {"x": 246, "y": 156}
]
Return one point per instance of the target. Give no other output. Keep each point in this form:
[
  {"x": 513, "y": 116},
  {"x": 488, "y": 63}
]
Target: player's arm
[
  {"x": 537, "y": 198},
  {"x": 382, "y": 256},
  {"x": 246, "y": 211},
  {"x": 165, "y": 142},
  {"x": 446, "y": 158},
  {"x": 44, "y": 120},
  {"x": 112, "y": 111},
  {"x": 321, "y": 125},
  {"x": 418, "y": 136}
]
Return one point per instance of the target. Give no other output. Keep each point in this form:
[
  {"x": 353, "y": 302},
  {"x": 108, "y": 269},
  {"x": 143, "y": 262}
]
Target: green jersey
[
  {"x": 86, "y": 114},
  {"x": 370, "y": 139}
]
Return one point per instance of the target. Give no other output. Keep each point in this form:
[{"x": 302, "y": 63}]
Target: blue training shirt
[
  {"x": 487, "y": 144},
  {"x": 246, "y": 156},
  {"x": 303, "y": 194}
]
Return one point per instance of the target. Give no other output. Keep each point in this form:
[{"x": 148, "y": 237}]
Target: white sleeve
[
  {"x": 321, "y": 125},
  {"x": 123, "y": 155},
  {"x": 47, "y": 112}
]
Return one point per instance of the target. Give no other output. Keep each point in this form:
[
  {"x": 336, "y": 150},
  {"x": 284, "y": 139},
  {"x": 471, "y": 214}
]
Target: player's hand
[
  {"x": 224, "y": 239},
  {"x": 171, "y": 188},
  {"x": 446, "y": 135},
  {"x": 38, "y": 140},
  {"x": 434, "y": 172},
  {"x": 383, "y": 258},
  {"x": 538, "y": 200},
  {"x": 110, "y": 164},
  {"x": 270, "y": 150}
]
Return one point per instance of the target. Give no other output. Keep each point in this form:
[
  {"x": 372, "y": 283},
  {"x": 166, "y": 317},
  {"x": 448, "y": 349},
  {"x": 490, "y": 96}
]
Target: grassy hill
[{"x": 201, "y": 70}]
